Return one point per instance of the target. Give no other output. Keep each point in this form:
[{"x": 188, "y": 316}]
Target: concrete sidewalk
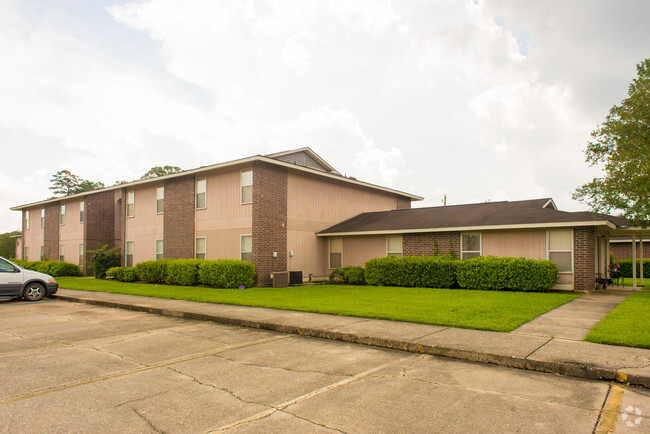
[{"x": 524, "y": 351}]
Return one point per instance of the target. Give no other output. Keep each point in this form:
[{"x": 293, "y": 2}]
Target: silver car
[{"x": 16, "y": 281}]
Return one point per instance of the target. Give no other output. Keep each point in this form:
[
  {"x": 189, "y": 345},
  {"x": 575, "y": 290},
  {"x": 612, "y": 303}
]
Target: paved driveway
[{"x": 73, "y": 367}]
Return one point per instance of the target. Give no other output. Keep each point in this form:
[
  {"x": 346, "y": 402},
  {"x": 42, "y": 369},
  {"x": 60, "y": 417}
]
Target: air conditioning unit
[
  {"x": 295, "y": 277},
  {"x": 280, "y": 279}
]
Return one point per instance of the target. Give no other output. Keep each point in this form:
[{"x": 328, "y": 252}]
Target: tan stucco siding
[
  {"x": 145, "y": 227},
  {"x": 529, "y": 244},
  {"x": 71, "y": 234},
  {"x": 34, "y": 237},
  {"x": 357, "y": 250}
]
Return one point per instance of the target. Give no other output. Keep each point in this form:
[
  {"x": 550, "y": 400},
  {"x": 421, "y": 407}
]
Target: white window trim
[
  {"x": 82, "y": 211},
  {"x": 126, "y": 253},
  {"x": 549, "y": 251},
  {"x": 241, "y": 187},
  {"x": 156, "y": 249},
  {"x": 240, "y": 243},
  {"x": 27, "y": 219},
  {"x": 25, "y": 253},
  {"x": 329, "y": 252},
  {"x": 480, "y": 243},
  {"x": 196, "y": 193},
  {"x": 42, "y": 253},
  {"x": 42, "y": 217},
  {"x": 62, "y": 252},
  {"x": 62, "y": 212},
  {"x": 205, "y": 246},
  {"x": 160, "y": 187},
  {"x": 82, "y": 255},
  {"x": 388, "y": 252}
]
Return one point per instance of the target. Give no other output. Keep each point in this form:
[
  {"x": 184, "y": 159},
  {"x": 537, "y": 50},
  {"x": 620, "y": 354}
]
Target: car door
[{"x": 11, "y": 281}]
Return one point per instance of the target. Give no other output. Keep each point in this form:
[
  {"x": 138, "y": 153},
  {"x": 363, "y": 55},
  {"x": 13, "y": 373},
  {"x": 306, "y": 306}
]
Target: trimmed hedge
[
  {"x": 350, "y": 275},
  {"x": 626, "y": 267},
  {"x": 53, "y": 268},
  {"x": 125, "y": 274},
  {"x": 152, "y": 271},
  {"x": 517, "y": 274},
  {"x": 413, "y": 271},
  {"x": 112, "y": 272},
  {"x": 226, "y": 273},
  {"x": 183, "y": 272}
]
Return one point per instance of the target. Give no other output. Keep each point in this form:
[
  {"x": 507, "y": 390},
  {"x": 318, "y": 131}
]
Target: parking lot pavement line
[
  {"x": 609, "y": 413},
  {"x": 140, "y": 369},
  {"x": 284, "y": 405},
  {"x": 29, "y": 303}
]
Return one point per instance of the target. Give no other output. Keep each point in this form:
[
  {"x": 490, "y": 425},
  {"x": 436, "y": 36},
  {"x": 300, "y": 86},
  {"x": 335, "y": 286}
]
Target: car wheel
[{"x": 34, "y": 292}]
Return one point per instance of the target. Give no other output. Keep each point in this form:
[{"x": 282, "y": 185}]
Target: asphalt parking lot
[{"x": 75, "y": 367}]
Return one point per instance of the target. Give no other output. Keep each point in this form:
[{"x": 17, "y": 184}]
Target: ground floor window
[
  {"x": 62, "y": 253},
  {"x": 129, "y": 253},
  {"x": 200, "y": 248},
  {"x": 470, "y": 245},
  {"x": 336, "y": 252},
  {"x": 41, "y": 253},
  {"x": 246, "y": 248},
  {"x": 394, "y": 245},
  {"x": 559, "y": 244},
  {"x": 159, "y": 249},
  {"x": 81, "y": 255},
  {"x": 26, "y": 254}
]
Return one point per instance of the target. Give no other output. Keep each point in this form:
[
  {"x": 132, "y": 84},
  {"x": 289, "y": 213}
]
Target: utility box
[
  {"x": 280, "y": 279},
  {"x": 295, "y": 277}
]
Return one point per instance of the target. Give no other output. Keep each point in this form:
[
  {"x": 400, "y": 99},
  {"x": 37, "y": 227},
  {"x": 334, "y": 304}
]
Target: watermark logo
[{"x": 632, "y": 416}]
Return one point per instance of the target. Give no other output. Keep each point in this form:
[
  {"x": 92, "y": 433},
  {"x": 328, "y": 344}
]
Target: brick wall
[
  {"x": 178, "y": 229},
  {"x": 100, "y": 222},
  {"x": 269, "y": 220},
  {"x": 424, "y": 244},
  {"x": 51, "y": 234},
  {"x": 624, "y": 250},
  {"x": 403, "y": 202},
  {"x": 584, "y": 258}
]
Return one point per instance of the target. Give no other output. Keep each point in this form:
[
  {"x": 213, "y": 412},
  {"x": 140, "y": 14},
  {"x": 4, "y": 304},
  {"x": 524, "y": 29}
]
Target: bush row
[
  {"x": 53, "y": 268},
  {"x": 220, "y": 273},
  {"x": 349, "y": 275},
  {"x": 626, "y": 268},
  {"x": 484, "y": 273}
]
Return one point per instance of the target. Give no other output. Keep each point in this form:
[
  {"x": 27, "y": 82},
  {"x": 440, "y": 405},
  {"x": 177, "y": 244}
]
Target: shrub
[
  {"x": 53, "y": 268},
  {"x": 626, "y": 268},
  {"x": 152, "y": 271},
  {"x": 412, "y": 271},
  {"x": 349, "y": 275},
  {"x": 183, "y": 272},
  {"x": 125, "y": 274},
  {"x": 112, "y": 272},
  {"x": 104, "y": 258},
  {"x": 492, "y": 273},
  {"x": 226, "y": 273}
]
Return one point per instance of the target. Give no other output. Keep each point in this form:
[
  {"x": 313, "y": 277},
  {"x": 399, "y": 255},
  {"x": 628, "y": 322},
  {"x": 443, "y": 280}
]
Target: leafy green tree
[
  {"x": 66, "y": 183},
  {"x": 160, "y": 171},
  {"x": 86, "y": 185},
  {"x": 8, "y": 244},
  {"x": 621, "y": 145}
]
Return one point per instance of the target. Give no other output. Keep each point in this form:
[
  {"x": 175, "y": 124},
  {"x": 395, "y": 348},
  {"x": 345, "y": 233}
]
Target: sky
[{"x": 477, "y": 100}]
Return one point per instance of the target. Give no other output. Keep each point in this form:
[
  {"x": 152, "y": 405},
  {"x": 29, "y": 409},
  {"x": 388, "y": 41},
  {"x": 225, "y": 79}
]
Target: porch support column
[
  {"x": 634, "y": 260},
  {"x": 641, "y": 255}
]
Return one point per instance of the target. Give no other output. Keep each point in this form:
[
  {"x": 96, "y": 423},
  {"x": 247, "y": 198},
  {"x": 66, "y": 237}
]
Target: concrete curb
[{"x": 572, "y": 368}]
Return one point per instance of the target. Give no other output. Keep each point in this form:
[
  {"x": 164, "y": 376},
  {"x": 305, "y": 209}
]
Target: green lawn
[{"x": 483, "y": 310}]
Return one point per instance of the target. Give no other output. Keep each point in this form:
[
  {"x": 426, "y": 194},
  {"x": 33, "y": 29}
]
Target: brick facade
[
  {"x": 624, "y": 250},
  {"x": 51, "y": 235},
  {"x": 403, "y": 202},
  {"x": 270, "y": 185},
  {"x": 424, "y": 244},
  {"x": 100, "y": 222},
  {"x": 178, "y": 223},
  {"x": 584, "y": 258}
]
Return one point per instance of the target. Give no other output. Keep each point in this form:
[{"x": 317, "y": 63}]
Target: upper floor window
[
  {"x": 394, "y": 245},
  {"x": 27, "y": 219},
  {"x": 82, "y": 212},
  {"x": 42, "y": 217},
  {"x": 62, "y": 215},
  {"x": 160, "y": 200},
  {"x": 200, "y": 193},
  {"x": 247, "y": 187},
  {"x": 130, "y": 203},
  {"x": 246, "y": 248},
  {"x": 560, "y": 248},
  {"x": 470, "y": 245},
  {"x": 336, "y": 252}
]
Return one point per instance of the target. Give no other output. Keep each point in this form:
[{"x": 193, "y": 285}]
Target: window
[
  {"x": 200, "y": 193},
  {"x": 470, "y": 245},
  {"x": 129, "y": 253},
  {"x": 247, "y": 187},
  {"x": 159, "y": 249},
  {"x": 394, "y": 245},
  {"x": 336, "y": 252},
  {"x": 82, "y": 212},
  {"x": 26, "y": 219},
  {"x": 200, "y": 248},
  {"x": 160, "y": 200},
  {"x": 81, "y": 254},
  {"x": 560, "y": 249},
  {"x": 6, "y": 267},
  {"x": 62, "y": 215},
  {"x": 42, "y": 217},
  {"x": 246, "y": 250},
  {"x": 130, "y": 203},
  {"x": 41, "y": 253},
  {"x": 61, "y": 253},
  {"x": 26, "y": 254}
]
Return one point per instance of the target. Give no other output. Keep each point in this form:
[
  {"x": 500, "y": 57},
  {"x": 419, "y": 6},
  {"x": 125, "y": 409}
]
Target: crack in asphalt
[
  {"x": 255, "y": 365},
  {"x": 153, "y": 427},
  {"x": 310, "y": 421}
]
